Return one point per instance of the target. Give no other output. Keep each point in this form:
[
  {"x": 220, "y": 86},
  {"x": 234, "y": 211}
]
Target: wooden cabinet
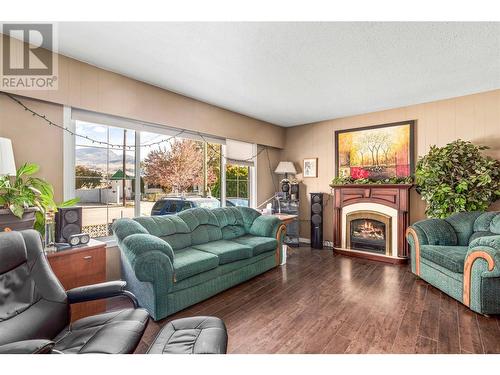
[{"x": 81, "y": 266}]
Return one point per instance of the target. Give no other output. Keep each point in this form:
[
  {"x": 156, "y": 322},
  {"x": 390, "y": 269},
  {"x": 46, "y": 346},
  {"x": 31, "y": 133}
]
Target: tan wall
[
  {"x": 34, "y": 141},
  {"x": 473, "y": 117},
  {"x": 84, "y": 86}
]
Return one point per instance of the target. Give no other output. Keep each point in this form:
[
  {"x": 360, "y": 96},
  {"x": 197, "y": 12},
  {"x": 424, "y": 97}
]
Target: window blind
[
  {"x": 241, "y": 153},
  {"x": 123, "y": 122}
]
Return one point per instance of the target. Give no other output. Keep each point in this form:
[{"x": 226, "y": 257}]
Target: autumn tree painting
[{"x": 376, "y": 153}]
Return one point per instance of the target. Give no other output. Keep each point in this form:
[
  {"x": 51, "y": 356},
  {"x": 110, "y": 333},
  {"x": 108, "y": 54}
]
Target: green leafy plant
[
  {"x": 363, "y": 181},
  {"x": 456, "y": 178},
  {"x": 23, "y": 191}
]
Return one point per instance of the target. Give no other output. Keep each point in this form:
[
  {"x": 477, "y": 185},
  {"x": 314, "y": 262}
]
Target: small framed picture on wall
[{"x": 311, "y": 167}]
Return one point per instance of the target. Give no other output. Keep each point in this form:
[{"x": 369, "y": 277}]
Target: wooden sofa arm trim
[
  {"x": 281, "y": 231},
  {"x": 469, "y": 261},
  {"x": 411, "y": 231}
]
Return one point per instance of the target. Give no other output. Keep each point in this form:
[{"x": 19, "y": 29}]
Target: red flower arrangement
[{"x": 358, "y": 172}]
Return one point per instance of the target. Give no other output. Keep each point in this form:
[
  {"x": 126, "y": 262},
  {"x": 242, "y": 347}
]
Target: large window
[
  {"x": 178, "y": 173},
  {"x": 237, "y": 185},
  {"x": 104, "y": 175},
  {"x": 127, "y": 171}
]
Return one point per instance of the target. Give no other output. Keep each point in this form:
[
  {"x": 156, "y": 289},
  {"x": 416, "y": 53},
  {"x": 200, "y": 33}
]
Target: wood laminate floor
[{"x": 322, "y": 302}]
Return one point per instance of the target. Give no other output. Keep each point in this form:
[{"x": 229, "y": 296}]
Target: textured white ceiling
[{"x": 295, "y": 73}]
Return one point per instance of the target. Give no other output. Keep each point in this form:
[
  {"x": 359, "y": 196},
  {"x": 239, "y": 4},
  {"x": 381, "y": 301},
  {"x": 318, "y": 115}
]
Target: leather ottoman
[{"x": 196, "y": 335}]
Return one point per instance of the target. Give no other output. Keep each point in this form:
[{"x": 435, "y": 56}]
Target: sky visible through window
[{"x": 109, "y": 160}]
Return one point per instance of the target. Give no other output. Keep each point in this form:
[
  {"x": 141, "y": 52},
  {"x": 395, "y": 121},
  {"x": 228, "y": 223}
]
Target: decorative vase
[{"x": 8, "y": 221}]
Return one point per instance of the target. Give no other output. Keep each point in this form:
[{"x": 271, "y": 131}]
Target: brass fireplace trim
[{"x": 371, "y": 215}]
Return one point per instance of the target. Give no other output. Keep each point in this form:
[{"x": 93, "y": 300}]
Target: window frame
[{"x": 69, "y": 159}]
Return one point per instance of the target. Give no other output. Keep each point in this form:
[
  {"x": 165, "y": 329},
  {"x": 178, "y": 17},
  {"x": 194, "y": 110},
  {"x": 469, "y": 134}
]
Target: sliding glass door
[{"x": 104, "y": 175}]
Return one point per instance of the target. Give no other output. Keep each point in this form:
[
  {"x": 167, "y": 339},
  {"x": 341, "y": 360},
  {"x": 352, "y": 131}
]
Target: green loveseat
[
  {"x": 174, "y": 261},
  {"x": 461, "y": 256}
]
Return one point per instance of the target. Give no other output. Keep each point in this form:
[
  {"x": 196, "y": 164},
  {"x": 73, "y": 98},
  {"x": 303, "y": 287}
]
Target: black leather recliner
[{"x": 35, "y": 309}]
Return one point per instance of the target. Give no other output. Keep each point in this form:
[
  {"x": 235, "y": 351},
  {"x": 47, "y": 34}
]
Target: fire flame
[{"x": 368, "y": 230}]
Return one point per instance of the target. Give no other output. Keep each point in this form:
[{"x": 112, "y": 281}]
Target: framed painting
[
  {"x": 375, "y": 152},
  {"x": 310, "y": 167}
]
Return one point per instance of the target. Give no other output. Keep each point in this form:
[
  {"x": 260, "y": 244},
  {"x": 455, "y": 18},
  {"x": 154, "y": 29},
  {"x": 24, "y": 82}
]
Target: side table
[
  {"x": 79, "y": 266},
  {"x": 285, "y": 219}
]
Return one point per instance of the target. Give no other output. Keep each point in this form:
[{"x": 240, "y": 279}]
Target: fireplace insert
[{"x": 368, "y": 231}]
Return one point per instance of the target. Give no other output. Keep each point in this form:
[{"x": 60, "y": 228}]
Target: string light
[
  {"x": 72, "y": 133},
  {"x": 120, "y": 146}
]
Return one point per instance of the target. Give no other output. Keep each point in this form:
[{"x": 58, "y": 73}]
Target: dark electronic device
[{"x": 317, "y": 220}]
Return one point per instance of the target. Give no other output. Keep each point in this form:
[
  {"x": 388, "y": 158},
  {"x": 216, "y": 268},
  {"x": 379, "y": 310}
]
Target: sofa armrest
[
  {"x": 488, "y": 248},
  {"x": 491, "y": 242},
  {"x": 415, "y": 238},
  {"x": 435, "y": 232},
  {"x": 150, "y": 257},
  {"x": 265, "y": 226},
  {"x": 428, "y": 232},
  {"x": 124, "y": 227},
  {"x": 28, "y": 347},
  {"x": 140, "y": 243},
  {"x": 481, "y": 262},
  {"x": 99, "y": 291}
]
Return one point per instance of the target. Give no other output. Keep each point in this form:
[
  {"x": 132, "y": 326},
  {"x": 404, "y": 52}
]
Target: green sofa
[
  {"x": 460, "y": 255},
  {"x": 174, "y": 261}
]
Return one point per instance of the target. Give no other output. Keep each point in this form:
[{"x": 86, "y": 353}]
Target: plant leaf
[
  {"x": 69, "y": 203},
  {"x": 27, "y": 169},
  {"x": 17, "y": 210}
]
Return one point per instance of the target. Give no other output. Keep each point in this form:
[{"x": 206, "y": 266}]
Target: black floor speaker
[
  {"x": 68, "y": 222},
  {"x": 317, "y": 220}
]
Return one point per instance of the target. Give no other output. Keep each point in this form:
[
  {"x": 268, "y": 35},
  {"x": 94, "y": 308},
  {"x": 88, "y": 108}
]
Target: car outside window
[
  {"x": 159, "y": 205},
  {"x": 208, "y": 204}
]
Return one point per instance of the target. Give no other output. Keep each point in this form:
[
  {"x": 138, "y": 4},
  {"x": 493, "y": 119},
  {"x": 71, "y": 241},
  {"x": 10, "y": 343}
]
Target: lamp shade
[
  {"x": 285, "y": 167},
  {"x": 7, "y": 165}
]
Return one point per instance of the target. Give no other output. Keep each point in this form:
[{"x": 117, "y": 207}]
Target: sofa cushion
[
  {"x": 203, "y": 224},
  {"x": 189, "y": 262},
  {"x": 482, "y": 223},
  {"x": 480, "y": 234},
  {"x": 436, "y": 232},
  {"x": 231, "y": 232},
  {"x": 463, "y": 225},
  {"x": 170, "y": 228},
  {"x": 259, "y": 245},
  {"x": 449, "y": 257},
  {"x": 226, "y": 251},
  {"x": 495, "y": 224},
  {"x": 230, "y": 221}
]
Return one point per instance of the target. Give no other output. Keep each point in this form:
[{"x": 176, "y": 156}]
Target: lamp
[
  {"x": 285, "y": 167},
  {"x": 7, "y": 165}
]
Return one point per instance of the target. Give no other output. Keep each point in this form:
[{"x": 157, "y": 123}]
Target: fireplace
[
  {"x": 370, "y": 220},
  {"x": 369, "y": 231}
]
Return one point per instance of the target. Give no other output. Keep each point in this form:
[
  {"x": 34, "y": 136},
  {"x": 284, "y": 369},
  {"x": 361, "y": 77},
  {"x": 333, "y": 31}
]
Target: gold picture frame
[{"x": 310, "y": 168}]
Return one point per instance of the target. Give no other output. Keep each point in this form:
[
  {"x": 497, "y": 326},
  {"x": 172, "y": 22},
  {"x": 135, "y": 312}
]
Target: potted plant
[
  {"x": 456, "y": 178},
  {"x": 24, "y": 200}
]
